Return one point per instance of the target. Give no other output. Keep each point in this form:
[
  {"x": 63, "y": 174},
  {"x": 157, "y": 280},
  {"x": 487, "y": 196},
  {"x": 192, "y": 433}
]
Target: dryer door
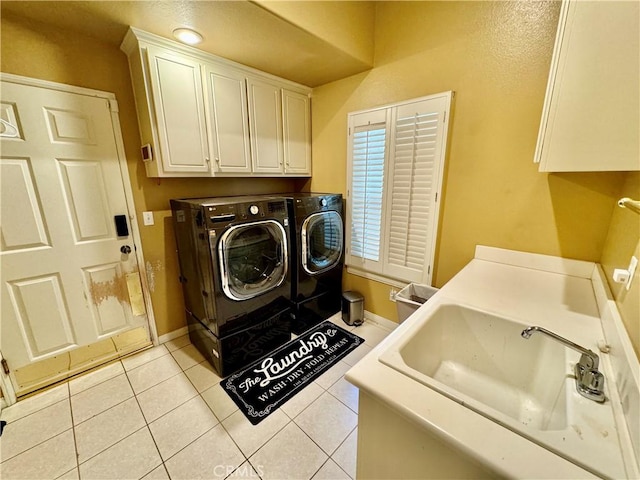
[
  {"x": 322, "y": 245},
  {"x": 253, "y": 258}
]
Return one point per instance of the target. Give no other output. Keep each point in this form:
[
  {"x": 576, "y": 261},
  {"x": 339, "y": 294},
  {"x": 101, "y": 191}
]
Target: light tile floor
[{"x": 162, "y": 414}]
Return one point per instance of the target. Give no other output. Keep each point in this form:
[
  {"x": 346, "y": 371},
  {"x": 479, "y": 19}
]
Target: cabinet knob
[{"x": 217, "y": 160}]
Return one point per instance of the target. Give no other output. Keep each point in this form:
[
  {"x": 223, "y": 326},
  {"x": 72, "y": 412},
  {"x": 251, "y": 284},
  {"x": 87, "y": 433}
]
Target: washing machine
[
  {"x": 234, "y": 262},
  {"x": 317, "y": 245}
]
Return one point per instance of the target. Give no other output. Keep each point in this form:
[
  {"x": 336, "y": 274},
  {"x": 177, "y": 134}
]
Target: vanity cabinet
[
  {"x": 201, "y": 115},
  {"x": 590, "y": 120}
]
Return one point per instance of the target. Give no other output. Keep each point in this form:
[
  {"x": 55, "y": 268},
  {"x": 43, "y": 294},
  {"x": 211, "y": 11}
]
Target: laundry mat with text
[{"x": 271, "y": 381}]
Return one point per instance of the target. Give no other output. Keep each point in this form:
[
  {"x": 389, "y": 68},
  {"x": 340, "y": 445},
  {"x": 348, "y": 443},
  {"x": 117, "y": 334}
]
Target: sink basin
[
  {"x": 480, "y": 360},
  {"x": 484, "y": 357}
]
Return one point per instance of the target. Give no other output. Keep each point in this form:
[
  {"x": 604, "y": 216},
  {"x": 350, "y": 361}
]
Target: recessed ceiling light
[{"x": 186, "y": 35}]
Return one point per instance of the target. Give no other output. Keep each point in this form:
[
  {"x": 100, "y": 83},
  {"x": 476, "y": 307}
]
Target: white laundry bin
[{"x": 411, "y": 297}]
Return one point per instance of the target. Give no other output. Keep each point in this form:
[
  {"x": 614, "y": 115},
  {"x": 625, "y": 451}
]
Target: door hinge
[
  {"x": 5, "y": 367},
  {"x": 444, "y": 118},
  {"x": 429, "y": 270}
]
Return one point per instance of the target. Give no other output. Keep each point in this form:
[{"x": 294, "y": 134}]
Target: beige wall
[
  {"x": 623, "y": 242},
  {"x": 40, "y": 51},
  {"x": 495, "y": 56}
]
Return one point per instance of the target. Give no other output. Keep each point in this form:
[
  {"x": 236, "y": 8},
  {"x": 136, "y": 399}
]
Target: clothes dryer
[
  {"x": 234, "y": 269},
  {"x": 317, "y": 245}
]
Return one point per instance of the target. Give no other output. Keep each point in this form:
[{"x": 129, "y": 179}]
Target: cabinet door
[
  {"x": 296, "y": 133},
  {"x": 265, "y": 123},
  {"x": 178, "y": 104},
  {"x": 591, "y": 116},
  {"x": 229, "y": 132}
]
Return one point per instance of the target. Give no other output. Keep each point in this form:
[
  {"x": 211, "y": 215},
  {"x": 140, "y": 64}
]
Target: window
[{"x": 394, "y": 173}]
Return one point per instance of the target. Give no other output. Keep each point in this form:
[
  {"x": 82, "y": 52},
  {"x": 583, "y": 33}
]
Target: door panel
[
  {"x": 86, "y": 200},
  {"x": 22, "y": 220},
  {"x": 43, "y": 318},
  {"x": 69, "y": 127},
  {"x": 63, "y": 276},
  {"x": 107, "y": 288}
]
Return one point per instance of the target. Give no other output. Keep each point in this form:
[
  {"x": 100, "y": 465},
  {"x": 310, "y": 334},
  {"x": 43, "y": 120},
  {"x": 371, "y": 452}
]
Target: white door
[{"x": 65, "y": 274}]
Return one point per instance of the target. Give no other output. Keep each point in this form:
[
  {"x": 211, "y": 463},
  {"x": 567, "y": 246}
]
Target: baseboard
[
  {"x": 172, "y": 335},
  {"x": 380, "y": 321}
]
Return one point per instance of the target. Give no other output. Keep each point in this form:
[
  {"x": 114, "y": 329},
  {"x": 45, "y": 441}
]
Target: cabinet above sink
[
  {"x": 203, "y": 116},
  {"x": 591, "y": 115}
]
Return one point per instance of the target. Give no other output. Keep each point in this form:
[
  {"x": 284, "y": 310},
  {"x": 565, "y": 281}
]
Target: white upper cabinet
[
  {"x": 590, "y": 120},
  {"x": 265, "y": 120},
  {"x": 201, "y": 115},
  {"x": 296, "y": 115},
  {"x": 227, "y": 103},
  {"x": 176, "y": 90}
]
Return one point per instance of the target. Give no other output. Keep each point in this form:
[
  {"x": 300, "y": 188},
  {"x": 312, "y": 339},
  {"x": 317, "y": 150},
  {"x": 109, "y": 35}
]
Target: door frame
[
  {"x": 8, "y": 392},
  {"x": 124, "y": 174}
]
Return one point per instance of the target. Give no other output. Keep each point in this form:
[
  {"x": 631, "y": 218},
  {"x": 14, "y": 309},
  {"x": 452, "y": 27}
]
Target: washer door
[
  {"x": 322, "y": 235},
  {"x": 253, "y": 259}
]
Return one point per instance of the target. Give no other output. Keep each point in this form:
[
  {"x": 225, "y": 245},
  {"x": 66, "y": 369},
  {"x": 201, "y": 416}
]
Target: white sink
[
  {"x": 484, "y": 357},
  {"x": 480, "y": 360}
]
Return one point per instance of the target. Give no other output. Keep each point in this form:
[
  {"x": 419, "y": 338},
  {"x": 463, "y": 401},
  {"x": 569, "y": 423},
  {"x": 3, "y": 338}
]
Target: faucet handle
[
  {"x": 589, "y": 360},
  {"x": 593, "y": 379},
  {"x": 590, "y": 383}
]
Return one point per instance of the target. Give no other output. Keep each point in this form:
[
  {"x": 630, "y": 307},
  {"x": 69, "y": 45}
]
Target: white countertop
[{"x": 546, "y": 291}]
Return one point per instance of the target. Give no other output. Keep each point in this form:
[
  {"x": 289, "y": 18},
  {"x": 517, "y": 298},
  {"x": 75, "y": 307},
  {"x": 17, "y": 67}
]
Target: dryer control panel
[{"x": 221, "y": 214}]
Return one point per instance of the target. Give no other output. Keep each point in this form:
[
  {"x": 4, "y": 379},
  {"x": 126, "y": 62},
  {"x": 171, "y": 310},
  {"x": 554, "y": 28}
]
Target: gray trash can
[
  {"x": 352, "y": 308},
  {"x": 411, "y": 297}
]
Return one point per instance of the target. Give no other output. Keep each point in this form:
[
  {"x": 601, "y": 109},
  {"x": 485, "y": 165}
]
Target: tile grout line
[
  {"x": 88, "y": 374},
  {"x": 146, "y": 424},
  {"x": 4, "y": 460},
  {"x": 330, "y": 459},
  {"x": 73, "y": 430},
  {"x": 99, "y": 413}
]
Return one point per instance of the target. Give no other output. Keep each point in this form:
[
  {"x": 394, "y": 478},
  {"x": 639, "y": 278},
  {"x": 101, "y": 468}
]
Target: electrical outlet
[
  {"x": 392, "y": 294},
  {"x": 632, "y": 270},
  {"x": 147, "y": 218}
]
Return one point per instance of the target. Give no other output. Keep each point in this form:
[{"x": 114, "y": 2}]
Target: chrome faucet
[{"x": 589, "y": 381}]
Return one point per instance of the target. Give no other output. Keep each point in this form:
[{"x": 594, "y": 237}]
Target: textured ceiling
[{"x": 238, "y": 30}]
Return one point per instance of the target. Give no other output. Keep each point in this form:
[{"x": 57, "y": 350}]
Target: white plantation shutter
[
  {"x": 367, "y": 190},
  {"x": 365, "y": 195},
  {"x": 413, "y": 183},
  {"x": 396, "y": 158}
]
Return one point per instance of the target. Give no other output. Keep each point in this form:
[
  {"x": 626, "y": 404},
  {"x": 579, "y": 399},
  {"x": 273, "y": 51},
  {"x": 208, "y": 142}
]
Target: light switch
[{"x": 147, "y": 218}]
